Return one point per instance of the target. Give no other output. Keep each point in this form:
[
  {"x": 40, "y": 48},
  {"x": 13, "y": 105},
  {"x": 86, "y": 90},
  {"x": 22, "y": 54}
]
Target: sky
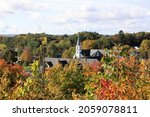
[{"x": 72, "y": 16}]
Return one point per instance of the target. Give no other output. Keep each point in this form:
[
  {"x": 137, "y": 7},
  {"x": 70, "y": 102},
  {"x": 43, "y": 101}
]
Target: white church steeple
[{"x": 78, "y": 53}]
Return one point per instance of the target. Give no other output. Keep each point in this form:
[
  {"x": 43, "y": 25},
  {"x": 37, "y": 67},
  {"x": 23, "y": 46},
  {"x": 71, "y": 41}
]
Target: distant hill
[{"x": 8, "y": 35}]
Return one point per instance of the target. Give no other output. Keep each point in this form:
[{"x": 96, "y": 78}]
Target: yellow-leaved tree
[
  {"x": 26, "y": 55},
  {"x": 88, "y": 44}
]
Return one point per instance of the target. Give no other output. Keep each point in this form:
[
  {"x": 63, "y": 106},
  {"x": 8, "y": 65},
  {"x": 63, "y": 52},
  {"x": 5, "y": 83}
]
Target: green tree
[
  {"x": 9, "y": 55},
  {"x": 121, "y": 36},
  {"x": 52, "y": 49},
  {"x": 103, "y": 42},
  {"x": 64, "y": 44},
  {"x": 145, "y": 49},
  {"x": 2, "y": 49},
  {"x": 69, "y": 53}
]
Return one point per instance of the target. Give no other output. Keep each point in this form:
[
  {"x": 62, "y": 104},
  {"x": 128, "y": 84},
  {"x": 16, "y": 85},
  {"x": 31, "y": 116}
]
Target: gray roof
[
  {"x": 94, "y": 53},
  {"x": 55, "y": 61},
  {"x": 97, "y": 54},
  {"x": 103, "y": 52},
  {"x": 90, "y": 61}
]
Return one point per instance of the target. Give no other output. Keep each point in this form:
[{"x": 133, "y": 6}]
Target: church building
[{"x": 88, "y": 55}]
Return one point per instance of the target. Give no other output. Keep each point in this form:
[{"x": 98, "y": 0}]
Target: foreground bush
[
  {"x": 113, "y": 78},
  {"x": 123, "y": 78},
  {"x": 11, "y": 76}
]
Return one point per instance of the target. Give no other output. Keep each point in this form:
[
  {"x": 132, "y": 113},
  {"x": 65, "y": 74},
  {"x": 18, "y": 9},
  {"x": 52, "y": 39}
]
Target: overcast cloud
[{"x": 70, "y": 16}]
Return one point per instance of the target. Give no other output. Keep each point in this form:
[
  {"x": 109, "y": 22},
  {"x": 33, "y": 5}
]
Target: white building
[{"x": 78, "y": 53}]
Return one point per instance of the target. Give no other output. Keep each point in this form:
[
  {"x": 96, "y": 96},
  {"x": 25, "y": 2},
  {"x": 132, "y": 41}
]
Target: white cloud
[
  {"x": 102, "y": 17},
  {"x": 13, "y": 6},
  {"x": 35, "y": 15},
  {"x": 148, "y": 13},
  {"x": 13, "y": 29},
  {"x": 4, "y": 28},
  {"x": 103, "y": 12},
  {"x": 5, "y": 7},
  {"x": 70, "y": 16}
]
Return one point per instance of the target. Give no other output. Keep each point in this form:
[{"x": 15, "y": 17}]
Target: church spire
[
  {"x": 78, "y": 49},
  {"x": 78, "y": 41}
]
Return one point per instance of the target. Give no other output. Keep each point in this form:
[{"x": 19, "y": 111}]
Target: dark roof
[
  {"x": 63, "y": 62},
  {"x": 50, "y": 63},
  {"x": 86, "y": 52},
  {"x": 55, "y": 61}
]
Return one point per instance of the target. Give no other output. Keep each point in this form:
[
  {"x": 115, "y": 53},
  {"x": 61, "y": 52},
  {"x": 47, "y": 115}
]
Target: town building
[{"x": 89, "y": 56}]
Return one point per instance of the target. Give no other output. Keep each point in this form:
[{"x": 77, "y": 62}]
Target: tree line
[{"x": 29, "y": 46}]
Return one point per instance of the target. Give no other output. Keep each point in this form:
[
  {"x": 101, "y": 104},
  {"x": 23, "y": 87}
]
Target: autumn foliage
[
  {"x": 11, "y": 76},
  {"x": 88, "y": 44},
  {"x": 112, "y": 78},
  {"x": 26, "y": 56},
  {"x": 122, "y": 78}
]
